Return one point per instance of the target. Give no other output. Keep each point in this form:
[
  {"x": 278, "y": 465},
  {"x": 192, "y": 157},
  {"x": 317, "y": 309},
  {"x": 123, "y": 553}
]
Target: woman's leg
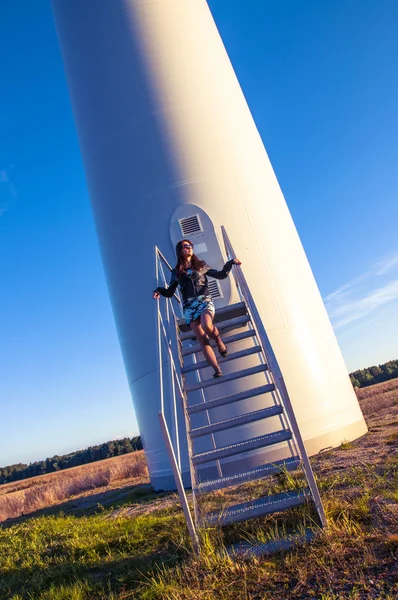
[
  {"x": 207, "y": 350},
  {"x": 206, "y": 320}
]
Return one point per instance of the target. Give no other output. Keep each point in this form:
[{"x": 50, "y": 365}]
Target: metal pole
[
  {"x": 280, "y": 382},
  {"x": 180, "y": 487},
  {"x": 173, "y": 395},
  {"x": 159, "y": 336}
]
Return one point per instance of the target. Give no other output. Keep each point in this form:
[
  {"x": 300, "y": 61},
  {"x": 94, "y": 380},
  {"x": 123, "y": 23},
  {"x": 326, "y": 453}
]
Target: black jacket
[{"x": 194, "y": 284}]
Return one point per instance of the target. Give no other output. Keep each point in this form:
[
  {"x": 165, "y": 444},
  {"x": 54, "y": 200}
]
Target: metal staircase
[{"x": 211, "y": 467}]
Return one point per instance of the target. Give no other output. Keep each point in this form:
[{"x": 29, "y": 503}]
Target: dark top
[{"x": 194, "y": 283}]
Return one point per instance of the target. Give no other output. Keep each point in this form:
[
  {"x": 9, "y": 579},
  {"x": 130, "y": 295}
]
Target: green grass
[
  {"x": 107, "y": 554},
  {"x": 346, "y": 445},
  {"x": 71, "y": 557},
  {"x": 148, "y": 557}
]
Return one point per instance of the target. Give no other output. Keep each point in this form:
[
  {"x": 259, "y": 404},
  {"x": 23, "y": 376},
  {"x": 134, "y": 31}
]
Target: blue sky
[{"x": 321, "y": 80}]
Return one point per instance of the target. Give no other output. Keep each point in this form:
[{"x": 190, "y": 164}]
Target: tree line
[
  {"x": 74, "y": 459},
  {"x": 360, "y": 378},
  {"x": 376, "y": 374}
]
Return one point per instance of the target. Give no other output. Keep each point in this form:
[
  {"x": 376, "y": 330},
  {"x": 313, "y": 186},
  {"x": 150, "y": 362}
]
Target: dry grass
[
  {"x": 29, "y": 495},
  {"x": 377, "y": 397},
  {"x": 140, "y": 549}
]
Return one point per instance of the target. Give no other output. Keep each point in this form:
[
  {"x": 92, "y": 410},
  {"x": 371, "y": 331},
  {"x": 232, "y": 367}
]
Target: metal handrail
[
  {"x": 159, "y": 254},
  {"x": 172, "y": 359},
  {"x": 163, "y": 258},
  {"x": 277, "y": 374},
  {"x": 164, "y": 327},
  {"x": 165, "y": 336}
]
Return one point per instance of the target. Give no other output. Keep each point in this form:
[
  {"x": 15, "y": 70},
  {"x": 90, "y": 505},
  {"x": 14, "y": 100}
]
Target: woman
[{"x": 191, "y": 274}]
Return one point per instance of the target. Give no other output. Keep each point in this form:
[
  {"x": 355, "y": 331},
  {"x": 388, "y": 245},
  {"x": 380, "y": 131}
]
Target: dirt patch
[
  {"x": 379, "y": 404},
  {"x": 380, "y": 407},
  {"x": 148, "y": 505}
]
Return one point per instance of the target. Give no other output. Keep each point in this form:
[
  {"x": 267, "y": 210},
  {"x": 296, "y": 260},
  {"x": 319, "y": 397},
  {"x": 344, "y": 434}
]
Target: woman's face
[{"x": 187, "y": 249}]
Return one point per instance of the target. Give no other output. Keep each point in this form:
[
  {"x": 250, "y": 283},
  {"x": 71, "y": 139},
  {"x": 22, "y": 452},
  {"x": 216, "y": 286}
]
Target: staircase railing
[
  {"x": 166, "y": 332},
  {"x": 276, "y": 374}
]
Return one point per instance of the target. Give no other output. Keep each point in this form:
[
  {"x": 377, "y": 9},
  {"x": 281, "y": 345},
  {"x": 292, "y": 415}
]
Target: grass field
[
  {"x": 112, "y": 538},
  {"x": 25, "y": 497}
]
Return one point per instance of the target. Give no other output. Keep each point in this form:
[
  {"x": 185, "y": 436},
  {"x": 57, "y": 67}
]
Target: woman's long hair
[{"x": 182, "y": 264}]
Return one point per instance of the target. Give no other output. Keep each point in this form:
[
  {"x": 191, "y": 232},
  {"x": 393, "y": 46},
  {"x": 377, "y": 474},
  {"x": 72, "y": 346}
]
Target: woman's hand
[
  {"x": 156, "y": 295},
  {"x": 237, "y": 261}
]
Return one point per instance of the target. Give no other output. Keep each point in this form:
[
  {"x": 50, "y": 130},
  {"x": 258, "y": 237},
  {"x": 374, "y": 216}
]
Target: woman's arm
[
  {"x": 223, "y": 274},
  {"x": 170, "y": 291}
]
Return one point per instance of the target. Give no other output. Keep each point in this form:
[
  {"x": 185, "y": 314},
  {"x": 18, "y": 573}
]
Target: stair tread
[
  {"x": 257, "y": 548},
  {"x": 288, "y": 464},
  {"x": 233, "y": 356},
  {"x": 229, "y": 323},
  {"x": 230, "y": 377},
  {"x": 236, "y": 337},
  {"x": 236, "y": 322},
  {"x": 268, "y": 439},
  {"x": 249, "y": 417},
  {"x": 230, "y": 311},
  {"x": 250, "y": 393},
  {"x": 257, "y": 508}
]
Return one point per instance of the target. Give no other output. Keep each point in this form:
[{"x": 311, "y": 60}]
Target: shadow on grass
[
  {"x": 94, "y": 503},
  {"x": 100, "y": 577}
]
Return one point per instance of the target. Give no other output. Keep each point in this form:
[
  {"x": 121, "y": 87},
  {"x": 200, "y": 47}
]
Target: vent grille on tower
[
  {"x": 215, "y": 289},
  {"x": 190, "y": 225}
]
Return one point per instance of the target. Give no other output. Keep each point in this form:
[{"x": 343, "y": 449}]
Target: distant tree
[
  {"x": 55, "y": 463},
  {"x": 374, "y": 374},
  {"x": 136, "y": 443},
  {"x": 126, "y": 446}
]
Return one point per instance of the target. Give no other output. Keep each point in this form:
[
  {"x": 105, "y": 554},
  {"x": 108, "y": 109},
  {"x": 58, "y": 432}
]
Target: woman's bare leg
[
  {"x": 207, "y": 350},
  {"x": 206, "y": 321}
]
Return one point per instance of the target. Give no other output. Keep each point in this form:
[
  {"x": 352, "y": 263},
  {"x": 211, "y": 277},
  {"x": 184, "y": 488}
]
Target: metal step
[
  {"x": 230, "y": 377},
  {"x": 249, "y": 549},
  {"x": 257, "y": 508},
  {"x": 233, "y": 356},
  {"x": 262, "y": 389},
  {"x": 230, "y": 324},
  {"x": 222, "y": 313},
  {"x": 289, "y": 464},
  {"x": 237, "y": 337},
  {"x": 250, "y": 417},
  {"x": 258, "y": 442}
]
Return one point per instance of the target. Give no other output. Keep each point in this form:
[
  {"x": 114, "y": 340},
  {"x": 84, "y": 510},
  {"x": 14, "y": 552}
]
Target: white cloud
[
  {"x": 366, "y": 294},
  {"x": 384, "y": 266},
  {"x": 358, "y": 308}
]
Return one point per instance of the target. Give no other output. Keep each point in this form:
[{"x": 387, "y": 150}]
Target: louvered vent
[
  {"x": 215, "y": 289},
  {"x": 190, "y": 225}
]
